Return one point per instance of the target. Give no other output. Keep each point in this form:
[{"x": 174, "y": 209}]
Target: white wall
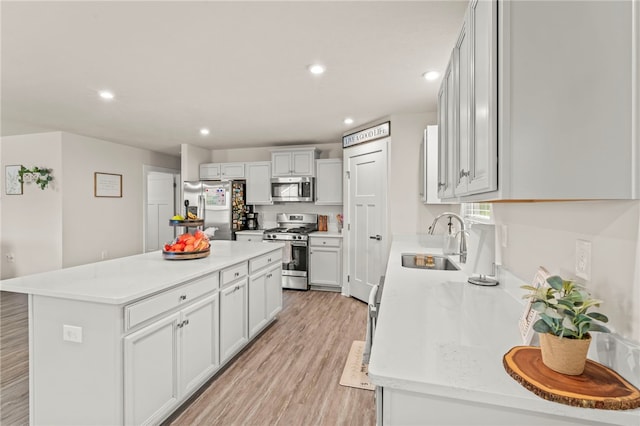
[
  {"x": 65, "y": 225},
  {"x": 545, "y": 233},
  {"x": 190, "y": 159},
  {"x": 407, "y": 213},
  {"x": 31, "y": 225},
  {"x": 93, "y": 225}
]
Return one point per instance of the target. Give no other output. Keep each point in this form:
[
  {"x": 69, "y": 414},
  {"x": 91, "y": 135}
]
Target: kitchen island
[
  {"x": 438, "y": 348},
  {"x": 126, "y": 341}
]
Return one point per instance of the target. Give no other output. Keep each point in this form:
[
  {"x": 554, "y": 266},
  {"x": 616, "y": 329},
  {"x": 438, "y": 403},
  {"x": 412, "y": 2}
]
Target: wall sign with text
[{"x": 367, "y": 135}]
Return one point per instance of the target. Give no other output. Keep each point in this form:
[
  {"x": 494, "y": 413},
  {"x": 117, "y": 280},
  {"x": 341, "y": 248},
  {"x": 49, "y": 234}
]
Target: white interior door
[
  {"x": 366, "y": 217},
  {"x": 160, "y": 207}
]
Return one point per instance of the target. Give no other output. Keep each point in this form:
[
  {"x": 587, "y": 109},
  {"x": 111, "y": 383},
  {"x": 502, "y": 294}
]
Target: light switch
[{"x": 72, "y": 333}]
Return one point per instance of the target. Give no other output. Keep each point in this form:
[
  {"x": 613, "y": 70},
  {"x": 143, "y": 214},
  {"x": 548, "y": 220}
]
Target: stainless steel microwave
[{"x": 293, "y": 189}]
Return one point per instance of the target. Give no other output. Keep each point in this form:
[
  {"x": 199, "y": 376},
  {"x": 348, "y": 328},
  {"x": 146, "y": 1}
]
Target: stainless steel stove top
[{"x": 292, "y": 227}]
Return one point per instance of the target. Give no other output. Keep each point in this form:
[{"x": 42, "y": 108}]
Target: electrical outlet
[
  {"x": 104, "y": 254},
  {"x": 583, "y": 259},
  {"x": 72, "y": 333}
]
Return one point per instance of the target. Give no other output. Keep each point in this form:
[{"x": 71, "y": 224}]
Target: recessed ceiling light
[
  {"x": 348, "y": 120},
  {"x": 431, "y": 75},
  {"x": 204, "y": 132},
  {"x": 106, "y": 95},
  {"x": 317, "y": 69}
]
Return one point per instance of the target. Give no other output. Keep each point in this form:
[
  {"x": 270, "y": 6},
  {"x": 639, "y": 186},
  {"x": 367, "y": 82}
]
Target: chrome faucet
[{"x": 462, "y": 232}]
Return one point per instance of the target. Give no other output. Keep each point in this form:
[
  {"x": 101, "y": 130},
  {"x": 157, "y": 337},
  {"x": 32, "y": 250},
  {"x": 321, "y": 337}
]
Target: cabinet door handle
[
  {"x": 463, "y": 173},
  {"x": 376, "y": 237},
  {"x": 324, "y": 242},
  {"x": 183, "y": 297},
  {"x": 441, "y": 185},
  {"x": 269, "y": 260},
  {"x": 237, "y": 274}
]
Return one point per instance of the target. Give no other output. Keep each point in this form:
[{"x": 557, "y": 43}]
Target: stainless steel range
[{"x": 293, "y": 230}]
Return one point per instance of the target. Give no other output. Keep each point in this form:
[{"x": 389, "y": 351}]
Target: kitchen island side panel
[{"x": 76, "y": 383}]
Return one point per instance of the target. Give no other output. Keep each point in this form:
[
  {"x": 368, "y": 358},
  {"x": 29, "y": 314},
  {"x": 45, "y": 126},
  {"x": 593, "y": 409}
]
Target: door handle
[{"x": 376, "y": 237}]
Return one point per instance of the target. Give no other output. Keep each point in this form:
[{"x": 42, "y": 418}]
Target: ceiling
[{"x": 238, "y": 68}]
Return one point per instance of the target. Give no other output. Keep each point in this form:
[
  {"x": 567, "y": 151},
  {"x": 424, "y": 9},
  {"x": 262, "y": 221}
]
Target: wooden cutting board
[{"x": 597, "y": 387}]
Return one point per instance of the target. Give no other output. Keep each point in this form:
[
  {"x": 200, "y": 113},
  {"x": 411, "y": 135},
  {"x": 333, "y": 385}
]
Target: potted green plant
[
  {"x": 565, "y": 323},
  {"x": 40, "y": 176}
]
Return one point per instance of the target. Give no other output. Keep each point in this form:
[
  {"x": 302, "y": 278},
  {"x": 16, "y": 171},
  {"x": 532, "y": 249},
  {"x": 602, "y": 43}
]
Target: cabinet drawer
[
  {"x": 232, "y": 273},
  {"x": 324, "y": 242},
  {"x": 155, "y": 305},
  {"x": 260, "y": 262}
]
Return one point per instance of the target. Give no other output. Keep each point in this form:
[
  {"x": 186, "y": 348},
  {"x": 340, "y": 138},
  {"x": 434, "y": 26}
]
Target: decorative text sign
[{"x": 372, "y": 133}]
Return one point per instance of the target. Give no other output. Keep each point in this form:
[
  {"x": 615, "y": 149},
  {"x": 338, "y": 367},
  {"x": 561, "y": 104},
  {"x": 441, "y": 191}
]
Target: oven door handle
[{"x": 299, "y": 243}]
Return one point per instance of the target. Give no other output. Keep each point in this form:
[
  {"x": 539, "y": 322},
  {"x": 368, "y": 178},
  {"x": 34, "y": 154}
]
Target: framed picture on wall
[
  {"x": 107, "y": 185},
  {"x": 12, "y": 183},
  {"x": 529, "y": 316}
]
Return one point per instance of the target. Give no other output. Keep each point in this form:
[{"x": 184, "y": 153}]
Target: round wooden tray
[
  {"x": 597, "y": 387},
  {"x": 191, "y": 223},
  {"x": 179, "y": 255}
]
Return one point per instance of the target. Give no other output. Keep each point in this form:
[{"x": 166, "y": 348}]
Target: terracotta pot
[{"x": 566, "y": 356}]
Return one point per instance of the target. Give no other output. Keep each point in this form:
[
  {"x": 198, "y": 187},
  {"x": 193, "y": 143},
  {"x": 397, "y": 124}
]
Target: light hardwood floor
[
  {"x": 291, "y": 374},
  {"x": 14, "y": 359}
]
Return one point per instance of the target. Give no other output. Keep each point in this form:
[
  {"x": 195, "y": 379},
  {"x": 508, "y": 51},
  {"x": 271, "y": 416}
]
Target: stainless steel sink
[{"x": 428, "y": 261}]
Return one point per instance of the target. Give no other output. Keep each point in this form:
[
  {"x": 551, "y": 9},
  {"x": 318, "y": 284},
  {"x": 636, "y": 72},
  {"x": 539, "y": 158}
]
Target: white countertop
[
  {"x": 123, "y": 280},
  {"x": 436, "y": 334}
]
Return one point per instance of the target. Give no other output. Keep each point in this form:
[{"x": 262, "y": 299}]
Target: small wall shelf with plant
[{"x": 40, "y": 176}]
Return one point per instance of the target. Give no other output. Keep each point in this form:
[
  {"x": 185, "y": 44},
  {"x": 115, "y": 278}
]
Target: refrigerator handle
[
  {"x": 201, "y": 206},
  {"x": 300, "y": 189}
]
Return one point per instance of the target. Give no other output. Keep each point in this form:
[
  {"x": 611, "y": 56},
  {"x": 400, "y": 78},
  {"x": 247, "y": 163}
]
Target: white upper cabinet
[
  {"x": 293, "y": 162},
  {"x": 329, "y": 181},
  {"x": 232, "y": 171},
  {"x": 429, "y": 161},
  {"x": 210, "y": 171},
  {"x": 541, "y": 114},
  {"x": 258, "y": 175},
  {"x": 482, "y": 167},
  {"x": 222, "y": 171}
]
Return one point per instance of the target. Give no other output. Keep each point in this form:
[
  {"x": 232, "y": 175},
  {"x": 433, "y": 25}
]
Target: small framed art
[
  {"x": 107, "y": 185},
  {"x": 12, "y": 183},
  {"x": 529, "y": 316}
]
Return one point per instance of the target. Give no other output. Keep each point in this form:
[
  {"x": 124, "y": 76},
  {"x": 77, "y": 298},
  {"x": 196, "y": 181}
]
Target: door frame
[
  {"x": 383, "y": 145},
  {"x": 146, "y": 170}
]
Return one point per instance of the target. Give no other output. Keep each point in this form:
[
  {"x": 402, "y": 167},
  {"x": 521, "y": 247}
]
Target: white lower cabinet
[
  {"x": 273, "y": 287},
  {"x": 257, "y": 303},
  {"x": 233, "y": 318},
  {"x": 249, "y": 237},
  {"x": 200, "y": 355},
  {"x": 151, "y": 371},
  {"x": 265, "y": 298},
  {"x": 325, "y": 266},
  {"x": 400, "y": 407},
  {"x": 169, "y": 359}
]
